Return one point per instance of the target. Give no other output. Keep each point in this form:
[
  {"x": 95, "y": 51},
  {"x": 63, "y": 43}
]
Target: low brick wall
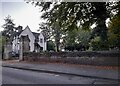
[{"x": 104, "y": 58}]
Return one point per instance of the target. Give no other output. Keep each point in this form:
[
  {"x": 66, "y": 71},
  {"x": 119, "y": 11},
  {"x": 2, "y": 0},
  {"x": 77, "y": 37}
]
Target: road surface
[{"x": 18, "y": 76}]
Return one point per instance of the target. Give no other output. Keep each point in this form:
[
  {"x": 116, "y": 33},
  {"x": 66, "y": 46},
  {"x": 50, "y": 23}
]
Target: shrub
[{"x": 97, "y": 44}]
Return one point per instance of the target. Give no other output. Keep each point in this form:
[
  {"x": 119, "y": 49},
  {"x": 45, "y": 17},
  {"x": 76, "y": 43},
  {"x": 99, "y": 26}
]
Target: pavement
[{"x": 77, "y": 70}]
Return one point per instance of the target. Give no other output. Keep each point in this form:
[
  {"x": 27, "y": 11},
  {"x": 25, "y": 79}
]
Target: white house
[{"x": 32, "y": 42}]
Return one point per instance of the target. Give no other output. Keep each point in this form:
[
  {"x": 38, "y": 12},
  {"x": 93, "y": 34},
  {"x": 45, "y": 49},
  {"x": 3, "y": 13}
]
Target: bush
[
  {"x": 97, "y": 44},
  {"x": 109, "y": 58},
  {"x": 78, "y": 47},
  {"x": 50, "y": 46}
]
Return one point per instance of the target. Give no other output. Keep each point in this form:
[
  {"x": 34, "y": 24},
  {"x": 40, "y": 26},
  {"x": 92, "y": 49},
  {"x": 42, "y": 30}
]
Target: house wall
[
  {"x": 15, "y": 45},
  {"x": 28, "y": 32},
  {"x": 26, "y": 47},
  {"x": 43, "y": 44}
]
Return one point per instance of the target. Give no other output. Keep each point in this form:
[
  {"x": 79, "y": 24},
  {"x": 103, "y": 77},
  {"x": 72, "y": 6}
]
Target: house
[{"x": 31, "y": 41}]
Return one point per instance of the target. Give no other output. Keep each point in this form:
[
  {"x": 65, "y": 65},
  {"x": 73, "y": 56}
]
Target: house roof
[
  {"x": 17, "y": 33},
  {"x": 37, "y": 36},
  {"x": 34, "y": 33}
]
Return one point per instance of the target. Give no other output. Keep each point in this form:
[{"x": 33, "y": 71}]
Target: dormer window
[{"x": 41, "y": 40}]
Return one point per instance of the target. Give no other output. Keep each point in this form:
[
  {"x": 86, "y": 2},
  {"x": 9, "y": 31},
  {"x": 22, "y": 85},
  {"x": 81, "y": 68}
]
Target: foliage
[
  {"x": 76, "y": 47},
  {"x": 83, "y": 37},
  {"x": 98, "y": 45},
  {"x": 52, "y": 32},
  {"x": 9, "y": 29},
  {"x": 77, "y": 40},
  {"x": 57, "y": 35},
  {"x": 114, "y": 31},
  {"x": 86, "y": 58},
  {"x": 74, "y": 15},
  {"x": 0, "y": 46},
  {"x": 114, "y": 41},
  {"x": 71, "y": 37},
  {"x": 2, "y": 42},
  {"x": 46, "y": 30},
  {"x": 50, "y": 46}
]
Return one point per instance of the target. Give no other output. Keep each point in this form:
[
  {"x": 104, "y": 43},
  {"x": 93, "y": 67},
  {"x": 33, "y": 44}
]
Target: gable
[
  {"x": 33, "y": 36},
  {"x": 27, "y": 32},
  {"x": 41, "y": 35}
]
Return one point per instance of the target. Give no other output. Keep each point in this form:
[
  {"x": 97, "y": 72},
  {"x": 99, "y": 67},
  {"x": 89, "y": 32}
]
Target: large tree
[
  {"x": 72, "y": 15},
  {"x": 9, "y": 29},
  {"x": 114, "y": 28},
  {"x": 2, "y": 42},
  {"x": 8, "y": 35},
  {"x": 46, "y": 30},
  {"x": 52, "y": 32}
]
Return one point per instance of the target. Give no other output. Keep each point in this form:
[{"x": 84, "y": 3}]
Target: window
[{"x": 41, "y": 40}]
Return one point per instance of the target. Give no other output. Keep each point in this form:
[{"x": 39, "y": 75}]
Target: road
[{"x": 18, "y": 76}]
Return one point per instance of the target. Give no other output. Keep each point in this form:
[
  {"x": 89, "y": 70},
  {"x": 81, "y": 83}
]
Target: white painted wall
[
  {"x": 28, "y": 32},
  {"x": 43, "y": 44},
  {"x": 15, "y": 45}
]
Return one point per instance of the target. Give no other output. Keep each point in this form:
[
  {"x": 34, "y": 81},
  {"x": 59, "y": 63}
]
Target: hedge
[{"x": 106, "y": 58}]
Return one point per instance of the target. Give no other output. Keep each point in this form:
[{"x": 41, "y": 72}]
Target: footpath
[{"x": 69, "y": 69}]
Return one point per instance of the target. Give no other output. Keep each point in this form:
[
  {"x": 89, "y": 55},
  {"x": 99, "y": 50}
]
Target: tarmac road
[{"x": 18, "y": 76}]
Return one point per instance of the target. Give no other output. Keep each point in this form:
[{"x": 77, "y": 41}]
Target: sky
[{"x": 21, "y": 12}]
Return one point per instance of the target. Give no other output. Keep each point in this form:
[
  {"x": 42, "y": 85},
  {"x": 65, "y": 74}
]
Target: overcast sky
[{"x": 22, "y": 13}]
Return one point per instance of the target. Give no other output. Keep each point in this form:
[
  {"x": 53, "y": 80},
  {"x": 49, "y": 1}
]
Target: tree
[
  {"x": 77, "y": 39},
  {"x": 114, "y": 29},
  {"x": 57, "y": 35},
  {"x": 9, "y": 29},
  {"x": 72, "y": 15},
  {"x": 100, "y": 14},
  {"x": 50, "y": 45},
  {"x": 8, "y": 34},
  {"x": 2, "y": 42},
  {"x": 52, "y": 32},
  {"x": 46, "y": 30},
  {"x": 114, "y": 32}
]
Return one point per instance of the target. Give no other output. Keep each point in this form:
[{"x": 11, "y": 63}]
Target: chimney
[{"x": 19, "y": 28}]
